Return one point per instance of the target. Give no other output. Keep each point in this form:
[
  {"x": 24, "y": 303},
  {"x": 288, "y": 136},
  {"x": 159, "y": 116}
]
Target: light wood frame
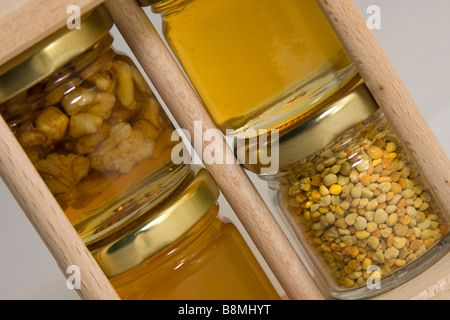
[{"x": 25, "y": 22}]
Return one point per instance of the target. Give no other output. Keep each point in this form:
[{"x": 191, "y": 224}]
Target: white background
[{"x": 415, "y": 35}]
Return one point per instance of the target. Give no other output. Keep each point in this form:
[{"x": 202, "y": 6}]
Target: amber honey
[
  {"x": 212, "y": 261},
  {"x": 255, "y": 63}
]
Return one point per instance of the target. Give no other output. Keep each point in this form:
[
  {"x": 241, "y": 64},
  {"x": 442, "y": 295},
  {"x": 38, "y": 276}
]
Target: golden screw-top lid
[
  {"x": 160, "y": 227},
  {"x": 343, "y": 114},
  {"x": 52, "y": 53},
  {"x": 346, "y": 109}
]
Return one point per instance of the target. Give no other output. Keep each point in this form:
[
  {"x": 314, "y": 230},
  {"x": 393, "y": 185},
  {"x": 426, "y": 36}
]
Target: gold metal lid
[
  {"x": 52, "y": 53},
  {"x": 340, "y": 116},
  {"x": 160, "y": 226},
  {"x": 345, "y": 110}
]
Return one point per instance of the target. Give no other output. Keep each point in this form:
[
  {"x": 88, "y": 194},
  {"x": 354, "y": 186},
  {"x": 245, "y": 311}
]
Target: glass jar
[
  {"x": 91, "y": 126},
  {"x": 256, "y": 64},
  {"x": 348, "y": 190},
  {"x": 182, "y": 250}
]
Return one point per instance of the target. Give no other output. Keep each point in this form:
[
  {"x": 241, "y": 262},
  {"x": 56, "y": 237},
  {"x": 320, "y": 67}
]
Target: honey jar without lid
[{"x": 256, "y": 64}]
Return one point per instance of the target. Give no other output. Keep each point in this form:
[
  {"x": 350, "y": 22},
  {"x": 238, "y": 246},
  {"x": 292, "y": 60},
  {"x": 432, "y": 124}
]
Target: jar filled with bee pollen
[
  {"x": 91, "y": 126},
  {"x": 256, "y": 64},
  {"x": 351, "y": 194},
  {"x": 182, "y": 250}
]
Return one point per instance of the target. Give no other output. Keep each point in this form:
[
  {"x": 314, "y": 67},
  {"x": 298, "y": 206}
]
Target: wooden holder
[
  {"x": 18, "y": 20},
  {"x": 25, "y": 22}
]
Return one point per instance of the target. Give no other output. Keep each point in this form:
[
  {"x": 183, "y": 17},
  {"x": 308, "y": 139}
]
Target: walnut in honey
[{"x": 96, "y": 133}]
